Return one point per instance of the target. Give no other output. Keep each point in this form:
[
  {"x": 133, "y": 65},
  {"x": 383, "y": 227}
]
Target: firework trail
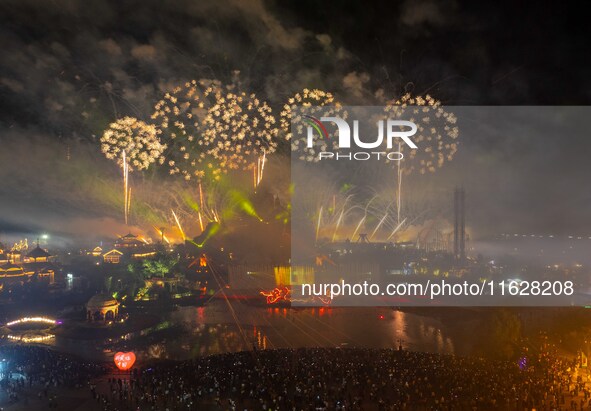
[
  {"x": 396, "y": 229},
  {"x": 259, "y": 169},
  {"x": 125, "y": 186},
  {"x": 201, "y": 222},
  {"x": 178, "y": 223},
  {"x": 135, "y": 146},
  {"x": 378, "y": 226},
  {"x": 358, "y": 226},
  {"x": 436, "y": 136},
  {"x": 200, "y": 194},
  {"x": 128, "y": 209},
  {"x": 339, "y": 220},
  {"x": 319, "y": 222}
]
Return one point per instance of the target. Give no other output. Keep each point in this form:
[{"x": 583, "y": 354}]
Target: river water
[{"x": 222, "y": 326}]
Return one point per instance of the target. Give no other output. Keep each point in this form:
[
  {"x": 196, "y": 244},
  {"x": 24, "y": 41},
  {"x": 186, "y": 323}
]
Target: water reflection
[{"x": 196, "y": 331}]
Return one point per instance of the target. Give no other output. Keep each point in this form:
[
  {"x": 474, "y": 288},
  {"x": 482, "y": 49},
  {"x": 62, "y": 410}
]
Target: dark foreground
[{"x": 304, "y": 379}]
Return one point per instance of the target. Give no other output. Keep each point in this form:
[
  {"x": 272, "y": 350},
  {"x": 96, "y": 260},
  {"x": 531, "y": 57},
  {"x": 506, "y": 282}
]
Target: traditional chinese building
[
  {"x": 129, "y": 241},
  {"x": 128, "y": 247},
  {"x": 112, "y": 257},
  {"x": 38, "y": 255},
  {"x": 16, "y": 269},
  {"x": 96, "y": 251}
]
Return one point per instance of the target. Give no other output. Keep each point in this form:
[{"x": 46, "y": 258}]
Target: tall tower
[{"x": 459, "y": 224}]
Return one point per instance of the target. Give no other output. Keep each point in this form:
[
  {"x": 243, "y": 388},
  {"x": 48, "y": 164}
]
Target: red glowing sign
[
  {"x": 277, "y": 294},
  {"x": 124, "y": 360},
  {"x": 282, "y": 293}
]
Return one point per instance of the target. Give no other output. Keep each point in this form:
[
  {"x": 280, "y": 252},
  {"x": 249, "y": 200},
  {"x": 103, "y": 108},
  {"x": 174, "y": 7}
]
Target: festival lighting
[
  {"x": 28, "y": 340},
  {"x": 124, "y": 360},
  {"x": 277, "y": 294},
  {"x": 32, "y": 320}
]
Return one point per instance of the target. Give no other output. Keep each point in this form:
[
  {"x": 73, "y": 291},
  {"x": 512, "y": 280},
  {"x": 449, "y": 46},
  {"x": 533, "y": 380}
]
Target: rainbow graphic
[{"x": 316, "y": 125}]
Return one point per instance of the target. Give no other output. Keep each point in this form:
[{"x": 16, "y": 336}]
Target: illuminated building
[
  {"x": 129, "y": 241},
  {"x": 21, "y": 273},
  {"x": 14, "y": 269},
  {"x": 126, "y": 247},
  {"x": 96, "y": 252},
  {"x": 14, "y": 256},
  {"x": 10, "y": 270},
  {"x": 38, "y": 255},
  {"x": 3, "y": 256},
  {"x": 102, "y": 307},
  {"x": 112, "y": 257},
  {"x": 143, "y": 254}
]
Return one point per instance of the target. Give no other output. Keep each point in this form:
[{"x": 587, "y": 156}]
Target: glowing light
[
  {"x": 28, "y": 340},
  {"x": 178, "y": 223},
  {"x": 200, "y": 196},
  {"x": 336, "y": 229},
  {"x": 378, "y": 226},
  {"x": 125, "y": 185},
  {"x": 259, "y": 169},
  {"x": 436, "y": 137},
  {"x": 359, "y": 225},
  {"x": 277, "y": 294},
  {"x": 437, "y": 132},
  {"x": 128, "y": 204},
  {"x": 124, "y": 360},
  {"x": 211, "y": 129},
  {"x": 135, "y": 138},
  {"x": 318, "y": 223},
  {"x": 162, "y": 235},
  {"x": 200, "y": 221},
  {"x": 312, "y": 99},
  {"x": 32, "y": 320},
  {"x": 396, "y": 229}
]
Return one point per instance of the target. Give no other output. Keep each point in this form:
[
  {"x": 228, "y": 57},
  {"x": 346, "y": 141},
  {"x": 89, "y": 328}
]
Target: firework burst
[
  {"x": 211, "y": 129},
  {"x": 241, "y": 130},
  {"x": 315, "y": 101},
  {"x": 179, "y": 117},
  {"x": 437, "y": 132},
  {"x": 138, "y": 140}
]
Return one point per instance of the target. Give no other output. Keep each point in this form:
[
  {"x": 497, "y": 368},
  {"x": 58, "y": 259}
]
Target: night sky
[{"x": 68, "y": 68}]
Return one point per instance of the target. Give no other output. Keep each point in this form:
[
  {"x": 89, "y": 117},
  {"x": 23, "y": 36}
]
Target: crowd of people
[
  {"x": 313, "y": 379},
  {"x": 348, "y": 379},
  {"x": 43, "y": 371}
]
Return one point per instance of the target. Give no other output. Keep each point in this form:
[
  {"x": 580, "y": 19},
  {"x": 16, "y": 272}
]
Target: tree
[{"x": 161, "y": 266}]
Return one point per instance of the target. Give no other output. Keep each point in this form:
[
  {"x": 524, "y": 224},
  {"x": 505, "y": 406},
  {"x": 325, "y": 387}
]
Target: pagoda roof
[{"x": 38, "y": 252}]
